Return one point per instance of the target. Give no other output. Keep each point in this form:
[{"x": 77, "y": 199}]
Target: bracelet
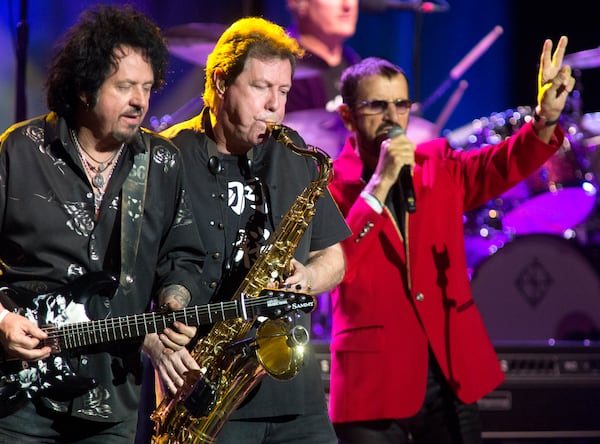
[
  {"x": 3, "y": 314},
  {"x": 547, "y": 122}
]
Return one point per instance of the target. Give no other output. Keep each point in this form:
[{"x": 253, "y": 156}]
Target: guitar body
[
  {"x": 62, "y": 314},
  {"x": 52, "y": 377}
]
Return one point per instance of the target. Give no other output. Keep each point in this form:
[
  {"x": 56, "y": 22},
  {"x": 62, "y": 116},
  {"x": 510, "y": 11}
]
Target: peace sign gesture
[{"x": 554, "y": 81}]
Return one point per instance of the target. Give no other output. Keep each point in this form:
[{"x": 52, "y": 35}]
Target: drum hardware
[
  {"x": 193, "y": 42},
  {"x": 457, "y": 72},
  {"x": 450, "y": 106},
  {"x": 589, "y": 58},
  {"x": 188, "y": 110},
  {"x": 418, "y": 6},
  {"x": 590, "y": 123},
  {"x": 319, "y": 127},
  {"x": 426, "y": 131},
  {"x": 555, "y": 199},
  {"x": 484, "y": 232}
]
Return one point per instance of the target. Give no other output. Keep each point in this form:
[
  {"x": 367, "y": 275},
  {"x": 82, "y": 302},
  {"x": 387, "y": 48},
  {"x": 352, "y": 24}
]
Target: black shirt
[
  {"x": 283, "y": 175},
  {"x": 49, "y": 236}
]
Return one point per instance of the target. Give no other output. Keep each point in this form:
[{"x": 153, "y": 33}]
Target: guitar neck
[{"x": 80, "y": 334}]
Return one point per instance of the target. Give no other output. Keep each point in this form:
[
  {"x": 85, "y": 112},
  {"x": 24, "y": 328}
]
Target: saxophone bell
[{"x": 280, "y": 349}]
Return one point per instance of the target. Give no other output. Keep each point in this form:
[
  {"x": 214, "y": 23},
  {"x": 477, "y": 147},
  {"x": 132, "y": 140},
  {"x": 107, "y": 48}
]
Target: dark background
[{"x": 428, "y": 46}]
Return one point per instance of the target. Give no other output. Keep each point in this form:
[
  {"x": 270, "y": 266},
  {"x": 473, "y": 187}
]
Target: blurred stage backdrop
[
  {"x": 428, "y": 46},
  {"x": 490, "y": 49},
  {"x": 533, "y": 253}
]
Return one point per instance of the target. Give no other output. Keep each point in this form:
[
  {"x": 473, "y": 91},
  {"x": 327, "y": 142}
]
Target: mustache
[{"x": 134, "y": 110}]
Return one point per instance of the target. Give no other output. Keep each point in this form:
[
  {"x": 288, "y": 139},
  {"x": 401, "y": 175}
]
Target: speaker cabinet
[{"x": 549, "y": 392}]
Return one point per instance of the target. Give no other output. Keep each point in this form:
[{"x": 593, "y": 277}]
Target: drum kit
[
  {"x": 556, "y": 199},
  {"x": 533, "y": 251}
]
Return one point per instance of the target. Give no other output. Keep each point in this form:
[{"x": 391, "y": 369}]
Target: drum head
[{"x": 538, "y": 287}]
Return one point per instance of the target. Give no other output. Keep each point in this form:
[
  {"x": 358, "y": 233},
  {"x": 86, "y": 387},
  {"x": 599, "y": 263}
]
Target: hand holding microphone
[{"x": 405, "y": 177}]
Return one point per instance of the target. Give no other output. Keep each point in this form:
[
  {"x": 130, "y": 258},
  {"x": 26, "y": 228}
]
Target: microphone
[
  {"x": 405, "y": 179},
  {"x": 403, "y": 5}
]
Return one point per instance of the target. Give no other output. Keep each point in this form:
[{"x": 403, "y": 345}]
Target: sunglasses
[{"x": 380, "y": 106}]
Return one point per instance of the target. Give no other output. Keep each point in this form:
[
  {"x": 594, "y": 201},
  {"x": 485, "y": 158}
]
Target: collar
[{"x": 56, "y": 128}]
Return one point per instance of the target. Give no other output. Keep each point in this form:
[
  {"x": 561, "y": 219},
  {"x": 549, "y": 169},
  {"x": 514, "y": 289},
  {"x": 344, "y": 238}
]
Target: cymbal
[
  {"x": 591, "y": 122},
  {"x": 319, "y": 127},
  {"x": 193, "y": 42},
  {"x": 420, "y": 130},
  {"x": 590, "y": 58}
]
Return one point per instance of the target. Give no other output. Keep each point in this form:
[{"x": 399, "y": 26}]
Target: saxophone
[{"x": 231, "y": 364}]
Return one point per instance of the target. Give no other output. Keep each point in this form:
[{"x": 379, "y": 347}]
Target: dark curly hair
[{"x": 86, "y": 56}]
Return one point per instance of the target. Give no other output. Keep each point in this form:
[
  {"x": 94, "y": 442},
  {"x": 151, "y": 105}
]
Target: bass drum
[{"x": 538, "y": 287}]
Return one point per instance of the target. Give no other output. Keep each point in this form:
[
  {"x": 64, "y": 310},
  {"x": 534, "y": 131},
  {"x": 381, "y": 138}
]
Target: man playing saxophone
[{"x": 242, "y": 183}]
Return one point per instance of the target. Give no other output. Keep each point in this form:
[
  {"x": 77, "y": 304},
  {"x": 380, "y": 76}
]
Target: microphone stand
[{"x": 21, "y": 56}]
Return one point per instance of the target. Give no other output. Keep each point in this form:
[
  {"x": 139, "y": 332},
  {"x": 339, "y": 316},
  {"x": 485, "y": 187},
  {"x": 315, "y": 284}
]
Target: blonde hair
[{"x": 245, "y": 38}]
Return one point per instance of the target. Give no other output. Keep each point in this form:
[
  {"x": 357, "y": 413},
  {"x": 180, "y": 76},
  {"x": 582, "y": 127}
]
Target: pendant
[
  {"x": 100, "y": 168},
  {"x": 98, "y": 181}
]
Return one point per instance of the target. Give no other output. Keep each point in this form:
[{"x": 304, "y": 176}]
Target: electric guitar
[{"x": 62, "y": 315}]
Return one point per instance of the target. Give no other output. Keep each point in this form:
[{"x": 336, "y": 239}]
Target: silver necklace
[{"x": 96, "y": 173}]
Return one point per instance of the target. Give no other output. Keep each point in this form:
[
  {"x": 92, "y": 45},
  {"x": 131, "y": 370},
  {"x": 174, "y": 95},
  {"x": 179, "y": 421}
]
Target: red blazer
[{"x": 391, "y": 305}]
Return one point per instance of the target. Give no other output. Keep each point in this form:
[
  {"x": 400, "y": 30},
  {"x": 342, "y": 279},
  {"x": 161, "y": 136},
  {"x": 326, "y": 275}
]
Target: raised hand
[{"x": 555, "y": 81}]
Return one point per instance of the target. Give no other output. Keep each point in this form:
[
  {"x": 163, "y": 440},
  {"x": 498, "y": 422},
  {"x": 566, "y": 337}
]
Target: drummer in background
[
  {"x": 322, "y": 27},
  {"x": 410, "y": 354}
]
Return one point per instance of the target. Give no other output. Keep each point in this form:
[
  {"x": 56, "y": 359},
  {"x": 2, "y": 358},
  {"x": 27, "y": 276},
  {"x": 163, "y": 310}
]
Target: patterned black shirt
[{"x": 50, "y": 236}]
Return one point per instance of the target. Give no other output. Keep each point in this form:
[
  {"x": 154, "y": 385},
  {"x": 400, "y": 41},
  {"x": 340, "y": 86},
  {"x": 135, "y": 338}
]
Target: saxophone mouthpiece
[{"x": 273, "y": 128}]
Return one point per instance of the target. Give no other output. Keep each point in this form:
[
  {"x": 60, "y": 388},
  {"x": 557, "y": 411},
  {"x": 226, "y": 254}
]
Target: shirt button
[
  {"x": 420, "y": 297},
  {"x": 220, "y": 225},
  {"x": 216, "y": 255},
  {"x": 213, "y": 284}
]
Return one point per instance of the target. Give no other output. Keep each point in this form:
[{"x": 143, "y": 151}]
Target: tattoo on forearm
[{"x": 178, "y": 292}]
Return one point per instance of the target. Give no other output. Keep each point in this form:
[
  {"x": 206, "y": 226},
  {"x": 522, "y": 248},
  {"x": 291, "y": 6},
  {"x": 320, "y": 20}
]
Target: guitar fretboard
[{"x": 81, "y": 334}]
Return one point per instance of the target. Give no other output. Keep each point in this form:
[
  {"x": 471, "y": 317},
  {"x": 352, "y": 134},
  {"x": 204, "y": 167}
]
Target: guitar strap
[{"x": 132, "y": 210}]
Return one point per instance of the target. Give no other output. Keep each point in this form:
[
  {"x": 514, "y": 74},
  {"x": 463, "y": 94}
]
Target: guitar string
[{"x": 90, "y": 326}]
